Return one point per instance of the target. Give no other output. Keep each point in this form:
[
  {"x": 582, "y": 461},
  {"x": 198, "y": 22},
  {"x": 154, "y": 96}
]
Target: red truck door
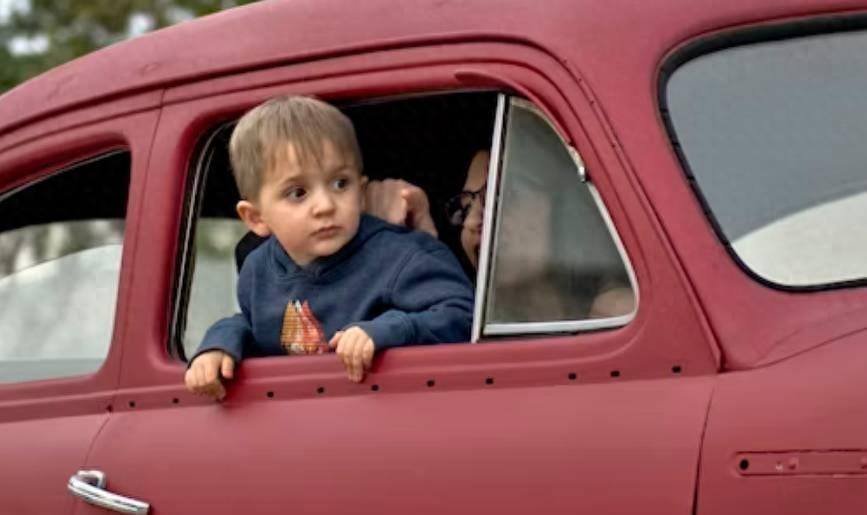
[{"x": 602, "y": 421}]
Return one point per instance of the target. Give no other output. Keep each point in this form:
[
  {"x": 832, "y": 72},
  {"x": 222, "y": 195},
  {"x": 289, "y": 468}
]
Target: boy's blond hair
[{"x": 259, "y": 139}]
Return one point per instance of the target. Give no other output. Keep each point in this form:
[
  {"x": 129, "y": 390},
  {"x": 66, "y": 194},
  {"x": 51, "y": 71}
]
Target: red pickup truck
[{"x": 706, "y": 157}]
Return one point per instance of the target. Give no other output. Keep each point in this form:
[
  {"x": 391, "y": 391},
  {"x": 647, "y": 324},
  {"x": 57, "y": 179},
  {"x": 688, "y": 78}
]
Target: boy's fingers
[
  {"x": 199, "y": 378},
  {"x": 335, "y": 339},
  {"x": 342, "y": 345},
  {"x": 368, "y": 352},
  {"x": 348, "y": 343},
  {"x": 204, "y": 383},
  {"x": 358, "y": 361},
  {"x": 211, "y": 372},
  {"x": 205, "y": 389},
  {"x": 361, "y": 358},
  {"x": 214, "y": 387},
  {"x": 189, "y": 380},
  {"x": 227, "y": 366},
  {"x": 355, "y": 350},
  {"x": 218, "y": 391},
  {"x": 352, "y": 355},
  {"x": 202, "y": 377}
]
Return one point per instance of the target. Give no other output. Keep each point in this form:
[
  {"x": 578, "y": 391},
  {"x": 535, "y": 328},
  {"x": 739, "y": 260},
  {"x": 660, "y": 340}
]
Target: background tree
[{"x": 58, "y": 31}]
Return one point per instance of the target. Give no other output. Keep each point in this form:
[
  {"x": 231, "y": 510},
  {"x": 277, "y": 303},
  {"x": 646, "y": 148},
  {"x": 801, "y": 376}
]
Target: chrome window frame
[
  {"x": 185, "y": 267},
  {"x": 491, "y": 197}
]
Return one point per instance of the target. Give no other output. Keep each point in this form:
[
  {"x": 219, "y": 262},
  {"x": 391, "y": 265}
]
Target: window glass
[
  {"x": 773, "y": 133},
  {"x": 61, "y": 241},
  {"x": 554, "y": 257}
]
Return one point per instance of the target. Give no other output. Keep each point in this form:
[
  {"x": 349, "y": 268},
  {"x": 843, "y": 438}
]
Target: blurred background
[{"x": 36, "y": 35}]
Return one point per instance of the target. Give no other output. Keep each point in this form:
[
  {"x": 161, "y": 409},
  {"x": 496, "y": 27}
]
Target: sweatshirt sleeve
[
  {"x": 432, "y": 302},
  {"x": 231, "y": 334}
]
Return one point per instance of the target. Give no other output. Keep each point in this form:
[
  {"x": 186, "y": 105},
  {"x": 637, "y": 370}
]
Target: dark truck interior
[{"x": 425, "y": 140}]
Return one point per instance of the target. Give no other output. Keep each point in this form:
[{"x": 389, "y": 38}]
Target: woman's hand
[{"x": 401, "y": 203}]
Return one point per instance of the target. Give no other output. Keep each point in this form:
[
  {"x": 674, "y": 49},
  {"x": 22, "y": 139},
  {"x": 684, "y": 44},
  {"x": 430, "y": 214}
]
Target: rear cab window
[{"x": 771, "y": 132}]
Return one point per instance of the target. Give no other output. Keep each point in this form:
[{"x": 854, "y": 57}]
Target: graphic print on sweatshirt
[{"x": 302, "y": 333}]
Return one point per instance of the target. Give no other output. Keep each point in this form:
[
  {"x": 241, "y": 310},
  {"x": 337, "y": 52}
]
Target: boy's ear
[{"x": 252, "y": 218}]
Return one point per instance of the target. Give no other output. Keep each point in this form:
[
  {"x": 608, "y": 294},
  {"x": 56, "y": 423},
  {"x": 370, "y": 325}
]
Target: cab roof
[{"x": 590, "y": 33}]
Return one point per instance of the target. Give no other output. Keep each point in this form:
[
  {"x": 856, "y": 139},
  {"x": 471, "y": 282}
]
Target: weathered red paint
[{"x": 762, "y": 371}]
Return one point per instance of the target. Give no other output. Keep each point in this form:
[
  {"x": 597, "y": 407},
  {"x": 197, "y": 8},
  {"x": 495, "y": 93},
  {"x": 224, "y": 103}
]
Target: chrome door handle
[{"x": 90, "y": 486}]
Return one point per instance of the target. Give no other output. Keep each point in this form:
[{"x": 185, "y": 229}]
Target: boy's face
[{"x": 312, "y": 208}]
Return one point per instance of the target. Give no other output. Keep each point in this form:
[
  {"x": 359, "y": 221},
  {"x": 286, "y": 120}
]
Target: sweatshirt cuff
[
  {"x": 230, "y": 350},
  {"x": 391, "y": 329},
  {"x": 227, "y": 336}
]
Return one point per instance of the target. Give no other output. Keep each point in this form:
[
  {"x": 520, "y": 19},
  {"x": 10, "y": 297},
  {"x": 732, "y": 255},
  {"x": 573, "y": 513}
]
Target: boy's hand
[
  {"x": 355, "y": 350},
  {"x": 401, "y": 203},
  {"x": 203, "y": 376}
]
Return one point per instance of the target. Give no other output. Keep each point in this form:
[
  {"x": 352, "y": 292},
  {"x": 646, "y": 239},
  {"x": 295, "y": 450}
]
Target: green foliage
[{"x": 76, "y": 27}]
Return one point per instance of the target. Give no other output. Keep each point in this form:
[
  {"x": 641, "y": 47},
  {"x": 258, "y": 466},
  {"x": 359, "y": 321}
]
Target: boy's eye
[
  {"x": 341, "y": 184},
  {"x": 296, "y": 193}
]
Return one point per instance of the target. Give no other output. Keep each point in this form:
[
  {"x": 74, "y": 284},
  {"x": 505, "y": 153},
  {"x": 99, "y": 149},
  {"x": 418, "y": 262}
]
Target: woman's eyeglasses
[{"x": 458, "y": 207}]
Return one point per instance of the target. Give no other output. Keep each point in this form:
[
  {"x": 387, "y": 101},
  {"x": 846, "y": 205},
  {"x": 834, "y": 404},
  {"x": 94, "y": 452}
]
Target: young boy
[{"x": 329, "y": 278}]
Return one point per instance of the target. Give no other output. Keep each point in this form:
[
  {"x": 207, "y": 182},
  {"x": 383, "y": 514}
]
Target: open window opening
[
  {"x": 507, "y": 196},
  {"x": 427, "y": 141}
]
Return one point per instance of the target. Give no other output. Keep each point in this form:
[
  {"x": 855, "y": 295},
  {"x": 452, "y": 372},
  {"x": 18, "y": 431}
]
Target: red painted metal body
[{"x": 714, "y": 369}]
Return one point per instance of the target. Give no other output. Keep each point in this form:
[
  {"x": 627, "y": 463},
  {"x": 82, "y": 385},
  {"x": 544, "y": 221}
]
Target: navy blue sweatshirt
[{"x": 401, "y": 287}]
